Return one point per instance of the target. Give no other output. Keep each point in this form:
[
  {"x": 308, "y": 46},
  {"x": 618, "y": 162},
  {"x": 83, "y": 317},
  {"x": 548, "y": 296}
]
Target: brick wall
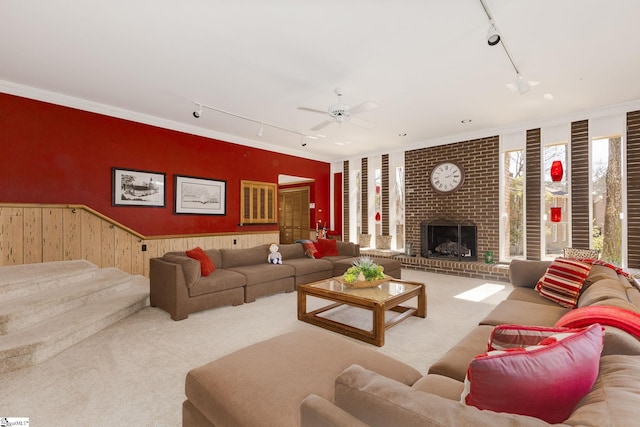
[{"x": 477, "y": 200}]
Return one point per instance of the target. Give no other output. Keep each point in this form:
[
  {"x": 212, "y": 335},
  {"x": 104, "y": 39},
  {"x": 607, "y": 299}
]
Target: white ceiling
[{"x": 425, "y": 63}]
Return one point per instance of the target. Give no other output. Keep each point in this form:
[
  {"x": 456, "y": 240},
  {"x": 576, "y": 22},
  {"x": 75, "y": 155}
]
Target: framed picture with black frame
[
  {"x": 200, "y": 196},
  {"x": 130, "y": 187}
]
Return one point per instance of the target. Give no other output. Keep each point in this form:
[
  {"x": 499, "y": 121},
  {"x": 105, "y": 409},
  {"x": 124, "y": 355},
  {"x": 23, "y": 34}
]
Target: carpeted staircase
[{"x": 48, "y": 307}]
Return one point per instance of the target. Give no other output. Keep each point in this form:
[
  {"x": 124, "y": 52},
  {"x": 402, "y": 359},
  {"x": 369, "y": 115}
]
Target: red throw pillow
[
  {"x": 563, "y": 281},
  {"x": 328, "y": 247},
  {"x": 545, "y": 380},
  {"x": 206, "y": 265}
]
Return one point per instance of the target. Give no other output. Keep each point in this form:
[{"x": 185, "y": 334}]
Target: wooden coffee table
[{"x": 387, "y": 296}]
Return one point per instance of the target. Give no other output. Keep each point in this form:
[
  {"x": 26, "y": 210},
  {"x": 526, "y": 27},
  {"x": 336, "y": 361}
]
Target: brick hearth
[{"x": 477, "y": 269}]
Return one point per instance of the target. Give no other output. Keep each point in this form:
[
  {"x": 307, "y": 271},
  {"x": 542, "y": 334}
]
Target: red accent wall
[{"x": 54, "y": 154}]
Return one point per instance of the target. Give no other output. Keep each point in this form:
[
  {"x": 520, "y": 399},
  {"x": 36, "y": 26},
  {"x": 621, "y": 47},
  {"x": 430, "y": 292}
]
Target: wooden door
[{"x": 294, "y": 214}]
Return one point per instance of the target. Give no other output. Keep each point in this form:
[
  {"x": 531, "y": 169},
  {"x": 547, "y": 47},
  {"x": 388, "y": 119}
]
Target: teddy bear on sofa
[{"x": 274, "y": 257}]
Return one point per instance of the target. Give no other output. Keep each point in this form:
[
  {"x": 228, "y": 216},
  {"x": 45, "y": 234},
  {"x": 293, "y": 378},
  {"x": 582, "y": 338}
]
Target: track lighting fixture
[
  {"x": 493, "y": 36},
  {"x": 198, "y": 112}
]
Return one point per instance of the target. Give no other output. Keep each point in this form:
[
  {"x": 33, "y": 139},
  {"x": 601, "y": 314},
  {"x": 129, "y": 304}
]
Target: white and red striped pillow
[{"x": 563, "y": 281}]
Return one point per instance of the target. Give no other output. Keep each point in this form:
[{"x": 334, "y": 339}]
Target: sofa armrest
[
  {"x": 167, "y": 288},
  {"x": 348, "y": 248},
  {"x": 318, "y": 412},
  {"x": 380, "y": 401},
  {"x": 526, "y": 273}
]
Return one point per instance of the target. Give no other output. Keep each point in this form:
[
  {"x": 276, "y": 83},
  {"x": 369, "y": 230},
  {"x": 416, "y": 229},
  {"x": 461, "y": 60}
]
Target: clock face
[{"x": 447, "y": 177}]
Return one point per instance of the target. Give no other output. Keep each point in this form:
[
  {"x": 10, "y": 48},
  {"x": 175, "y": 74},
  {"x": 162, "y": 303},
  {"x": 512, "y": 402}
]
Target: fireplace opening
[{"x": 447, "y": 239}]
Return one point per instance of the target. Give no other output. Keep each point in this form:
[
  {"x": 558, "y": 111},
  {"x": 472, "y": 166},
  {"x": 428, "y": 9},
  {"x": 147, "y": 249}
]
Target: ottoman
[{"x": 265, "y": 383}]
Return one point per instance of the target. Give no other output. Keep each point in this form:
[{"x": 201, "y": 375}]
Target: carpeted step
[
  {"x": 27, "y": 279},
  {"x": 30, "y": 309},
  {"x": 40, "y": 341}
]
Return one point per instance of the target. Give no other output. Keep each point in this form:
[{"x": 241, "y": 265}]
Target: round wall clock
[{"x": 446, "y": 177}]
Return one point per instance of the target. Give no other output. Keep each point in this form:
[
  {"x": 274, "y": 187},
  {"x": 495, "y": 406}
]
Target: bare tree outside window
[{"x": 606, "y": 167}]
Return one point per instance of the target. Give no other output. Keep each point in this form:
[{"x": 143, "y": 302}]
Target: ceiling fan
[{"x": 341, "y": 113}]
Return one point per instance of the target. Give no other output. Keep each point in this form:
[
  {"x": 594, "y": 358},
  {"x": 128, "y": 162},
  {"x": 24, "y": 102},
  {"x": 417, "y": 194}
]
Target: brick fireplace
[
  {"x": 478, "y": 199},
  {"x": 449, "y": 240}
]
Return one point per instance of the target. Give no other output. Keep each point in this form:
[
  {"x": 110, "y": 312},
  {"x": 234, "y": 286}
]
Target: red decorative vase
[
  {"x": 556, "y": 171},
  {"x": 378, "y": 217},
  {"x": 556, "y": 214}
]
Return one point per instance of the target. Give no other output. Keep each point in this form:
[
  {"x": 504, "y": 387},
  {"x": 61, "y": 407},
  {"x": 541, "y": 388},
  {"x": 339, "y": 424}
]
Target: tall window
[
  {"x": 606, "y": 198},
  {"x": 378, "y": 201},
  {"x": 358, "y": 199},
  {"x": 556, "y": 196},
  {"x": 513, "y": 246},
  {"x": 399, "y": 207}
]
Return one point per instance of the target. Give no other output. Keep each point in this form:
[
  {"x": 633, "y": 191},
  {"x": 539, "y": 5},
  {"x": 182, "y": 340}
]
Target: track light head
[
  {"x": 198, "y": 112},
  {"x": 493, "y": 36}
]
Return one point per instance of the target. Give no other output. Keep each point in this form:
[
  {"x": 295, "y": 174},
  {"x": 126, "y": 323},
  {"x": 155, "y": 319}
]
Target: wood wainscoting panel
[
  {"x": 72, "y": 232},
  {"x": 91, "y": 227},
  {"x": 52, "y": 234},
  {"x": 11, "y": 236},
  {"x": 123, "y": 250},
  {"x": 32, "y": 235},
  {"x": 108, "y": 244}
]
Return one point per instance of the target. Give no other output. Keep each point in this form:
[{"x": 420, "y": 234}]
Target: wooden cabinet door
[{"x": 294, "y": 214}]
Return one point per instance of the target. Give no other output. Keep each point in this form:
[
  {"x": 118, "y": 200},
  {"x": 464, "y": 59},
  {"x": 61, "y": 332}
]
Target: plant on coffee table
[{"x": 364, "y": 268}]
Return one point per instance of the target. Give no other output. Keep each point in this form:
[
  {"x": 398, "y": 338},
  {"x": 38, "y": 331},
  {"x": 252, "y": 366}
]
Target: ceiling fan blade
[
  {"x": 362, "y": 123},
  {"x": 365, "y": 106},
  {"x": 322, "y": 125},
  {"x": 313, "y": 110}
]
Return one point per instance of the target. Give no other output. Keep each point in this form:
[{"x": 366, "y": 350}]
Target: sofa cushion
[
  {"x": 440, "y": 385},
  {"x": 190, "y": 267},
  {"x": 563, "y": 280},
  {"x": 219, "y": 280},
  {"x": 206, "y": 265},
  {"x": 328, "y": 247},
  {"x": 305, "y": 266},
  {"x": 347, "y": 248},
  {"x": 243, "y": 257},
  {"x": 215, "y": 256},
  {"x": 291, "y": 251},
  {"x": 524, "y": 273},
  {"x": 262, "y": 273},
  {"x": 512, "y": 311},
  {"x": 604, "y": 292},
  {"x": 456, "y": 360},
  {"x": 543, "y": 381},
  {"x": 613, "y": 399},
  {"x": 379, "y": 401},
  {"x": 530, "y": 295}
]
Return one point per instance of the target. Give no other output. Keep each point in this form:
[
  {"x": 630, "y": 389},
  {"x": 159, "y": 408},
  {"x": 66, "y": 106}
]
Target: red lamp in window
[
  {"x": 556, "y": 171},
  {"x": 556, "y": 214}
]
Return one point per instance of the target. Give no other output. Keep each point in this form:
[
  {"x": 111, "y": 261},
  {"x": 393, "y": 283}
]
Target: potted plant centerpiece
[{"x": 364, "y": 273}]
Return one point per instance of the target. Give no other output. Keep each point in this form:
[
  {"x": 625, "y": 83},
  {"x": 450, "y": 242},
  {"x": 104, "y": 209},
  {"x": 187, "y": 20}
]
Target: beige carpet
[{"x": 132, "y": 373}]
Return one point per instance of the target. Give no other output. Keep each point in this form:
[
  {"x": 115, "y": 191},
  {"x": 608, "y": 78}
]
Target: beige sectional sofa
[
  {"x": 242, "y": 275},
  {"x": 314, "y": 378}
]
